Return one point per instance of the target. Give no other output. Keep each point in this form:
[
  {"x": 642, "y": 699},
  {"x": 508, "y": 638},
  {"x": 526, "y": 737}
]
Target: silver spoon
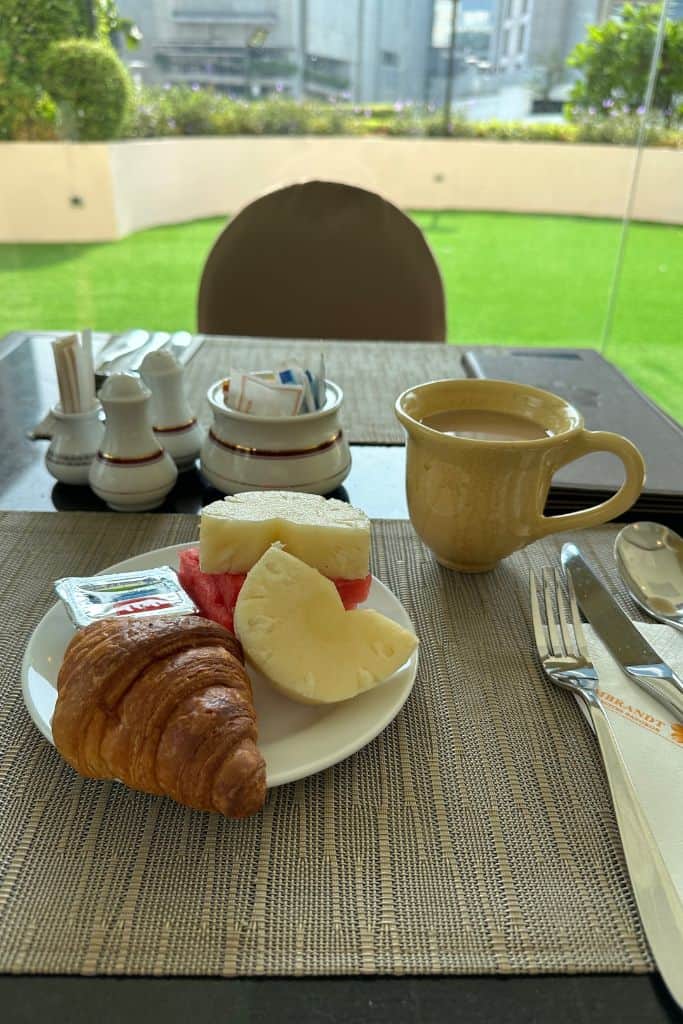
[{"x": 650, "y": 560}]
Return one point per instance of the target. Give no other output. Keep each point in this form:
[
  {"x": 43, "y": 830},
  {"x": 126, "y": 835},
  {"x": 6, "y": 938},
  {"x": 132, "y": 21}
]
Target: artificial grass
[{"x": 510, "y": 280}]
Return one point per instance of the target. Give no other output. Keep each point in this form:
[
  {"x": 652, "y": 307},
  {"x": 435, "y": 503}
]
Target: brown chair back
[{"x": 322, "y": 260}]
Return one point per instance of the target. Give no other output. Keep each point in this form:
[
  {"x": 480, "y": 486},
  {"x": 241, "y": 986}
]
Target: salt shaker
[
  {"x": 131, "y": 471},
  {"x": 75, "y": 440},
  {"x": 174, "y": 425}
]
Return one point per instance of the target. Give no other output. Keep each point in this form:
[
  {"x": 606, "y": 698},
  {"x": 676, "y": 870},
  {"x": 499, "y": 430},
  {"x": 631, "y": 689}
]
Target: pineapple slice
[
  {"x": 294, "y": 629},
  {"x": 330, "y": 535}
]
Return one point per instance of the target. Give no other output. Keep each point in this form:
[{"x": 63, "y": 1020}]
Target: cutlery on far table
[
  {"x": 565, "y": 658},
  {"x": 132, "y": 360},
  {"x": 650, "y": 559},
  {"x": 179, "y": 343},
  {"x": 119, "y": 346},
  {"x": 628, "y": 647}
]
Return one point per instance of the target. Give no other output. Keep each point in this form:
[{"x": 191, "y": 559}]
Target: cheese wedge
[
  {"x": 329, "y": 535},
  {"x": 294, "y": 628}
]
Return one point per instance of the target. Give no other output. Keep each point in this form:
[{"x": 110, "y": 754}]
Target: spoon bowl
[{"x": 650, "y": 559}]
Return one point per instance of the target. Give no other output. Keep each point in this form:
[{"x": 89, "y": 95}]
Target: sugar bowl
[{"x": 244, "y": 452}]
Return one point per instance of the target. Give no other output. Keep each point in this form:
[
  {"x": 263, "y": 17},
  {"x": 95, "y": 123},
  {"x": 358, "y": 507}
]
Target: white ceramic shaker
[
  {"x": 131, "y": 471},
  {"x": 173, "y": 422},
  {"x": 75, "y": 439}
]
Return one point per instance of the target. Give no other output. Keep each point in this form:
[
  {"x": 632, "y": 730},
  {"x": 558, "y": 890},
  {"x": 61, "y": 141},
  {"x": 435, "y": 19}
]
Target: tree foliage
[
  {"x": 28, "y": 28},
  {"x": 615, "y": 62},
  {"x": 109, "y": 24}
]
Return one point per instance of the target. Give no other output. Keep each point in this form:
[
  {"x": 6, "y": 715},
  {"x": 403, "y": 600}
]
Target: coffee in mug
[
  {"x": 483, "y": 425},
  {"x": 480, "y": 458}
]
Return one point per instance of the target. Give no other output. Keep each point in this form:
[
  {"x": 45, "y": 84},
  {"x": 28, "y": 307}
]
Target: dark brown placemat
[
  {"x": 372, "y": 374},
  {"x": 608, "y": 400},
  {"x": 475, "y": 835}
]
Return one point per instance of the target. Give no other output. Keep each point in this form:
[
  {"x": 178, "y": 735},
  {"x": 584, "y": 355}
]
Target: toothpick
[
  {"x": 89, "y": 369},
  {"x": 67, "y": 372}
]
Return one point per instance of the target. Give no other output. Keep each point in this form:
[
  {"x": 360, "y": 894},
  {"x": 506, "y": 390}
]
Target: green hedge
[
  {"x": 621, "y": 128},
  {"x": 181, "y": 110}
]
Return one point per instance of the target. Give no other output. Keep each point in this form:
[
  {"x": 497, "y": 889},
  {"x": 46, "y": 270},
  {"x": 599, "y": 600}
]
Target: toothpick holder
[{"x": 75, "y": 440}]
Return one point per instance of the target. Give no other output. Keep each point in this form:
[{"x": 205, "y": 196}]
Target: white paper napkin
[{"x": 650, "y": 740}]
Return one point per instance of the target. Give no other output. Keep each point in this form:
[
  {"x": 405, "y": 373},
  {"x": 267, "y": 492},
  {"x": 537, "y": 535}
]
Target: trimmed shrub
[{"x": 90, "y": 86}]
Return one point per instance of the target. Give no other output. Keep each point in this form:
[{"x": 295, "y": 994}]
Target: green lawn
[{"x": 510, "y": 279}]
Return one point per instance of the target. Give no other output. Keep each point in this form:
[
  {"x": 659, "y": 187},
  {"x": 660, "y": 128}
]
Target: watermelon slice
[
  {"x": 204, "y": 589},
  {"x": 215, "y": 594}
]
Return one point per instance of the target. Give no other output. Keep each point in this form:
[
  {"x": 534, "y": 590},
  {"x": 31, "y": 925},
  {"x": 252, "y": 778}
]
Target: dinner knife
[{"x": 628, "y": 647}]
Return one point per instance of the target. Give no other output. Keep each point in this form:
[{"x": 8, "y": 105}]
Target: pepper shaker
[
  {"x": 131, "y": 470},
  {"x": 173, "y": 422}
]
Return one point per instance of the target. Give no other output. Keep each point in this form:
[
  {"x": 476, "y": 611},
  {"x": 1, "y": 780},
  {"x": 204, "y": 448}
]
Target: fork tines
[{"x": 553, "y": 632}]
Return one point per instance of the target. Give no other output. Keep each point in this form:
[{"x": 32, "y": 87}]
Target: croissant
[{"x": 165, "y": 706}]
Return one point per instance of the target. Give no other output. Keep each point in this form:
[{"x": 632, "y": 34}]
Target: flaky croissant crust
[{"x": 165, "y": 706}]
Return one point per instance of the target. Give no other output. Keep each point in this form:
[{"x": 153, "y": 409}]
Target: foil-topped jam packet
[{"x": 136, "y": 594}]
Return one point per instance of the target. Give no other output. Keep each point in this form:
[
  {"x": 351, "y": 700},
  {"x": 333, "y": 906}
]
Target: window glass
[
  {"x": 644, "y": 311},
  {"x": 545, "y": 177},
  {"x": 521, "y": 40}
]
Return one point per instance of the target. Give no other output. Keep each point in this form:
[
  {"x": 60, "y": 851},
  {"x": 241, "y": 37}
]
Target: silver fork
[{"x": 565, "y": 658}]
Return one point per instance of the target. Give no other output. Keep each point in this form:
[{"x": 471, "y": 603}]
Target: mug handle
[{"x": 601, "y": 441}]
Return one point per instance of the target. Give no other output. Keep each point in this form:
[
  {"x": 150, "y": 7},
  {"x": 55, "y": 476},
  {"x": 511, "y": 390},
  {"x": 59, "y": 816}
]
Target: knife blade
[{"x": 628, "y": 647}]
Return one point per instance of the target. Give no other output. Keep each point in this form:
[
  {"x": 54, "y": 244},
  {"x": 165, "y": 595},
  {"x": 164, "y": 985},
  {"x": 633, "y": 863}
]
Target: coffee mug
[{"x": 474, "y": 501}]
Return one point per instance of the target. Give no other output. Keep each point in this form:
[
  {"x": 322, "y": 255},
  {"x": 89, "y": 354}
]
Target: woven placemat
[
  {"x": 475, "y": 835},
  {"x": 371, "y": 374}
]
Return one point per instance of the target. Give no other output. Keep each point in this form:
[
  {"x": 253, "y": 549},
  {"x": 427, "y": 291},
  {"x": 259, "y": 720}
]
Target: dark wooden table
[{"x": 375, "y": 484}]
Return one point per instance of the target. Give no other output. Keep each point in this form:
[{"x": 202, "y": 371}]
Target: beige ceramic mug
[{"x": 475, "y": 501}]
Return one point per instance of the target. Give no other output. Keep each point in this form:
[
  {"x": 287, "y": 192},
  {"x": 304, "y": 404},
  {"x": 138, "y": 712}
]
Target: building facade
[
  {"x": 531, "y": 33},
  {"x": 241, "y": 48},
  {"x": 363, "y": 50}
]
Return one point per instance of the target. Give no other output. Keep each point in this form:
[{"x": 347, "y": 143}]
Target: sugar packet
[
  {"x": 288, "y": 390},
  {"x": 313, "y": 384},
  {"x": 262, "y": 394},
  {"x": 294, "y": 376}
]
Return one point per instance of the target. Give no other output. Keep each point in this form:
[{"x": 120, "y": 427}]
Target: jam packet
[{"x": 136, "y": 594}]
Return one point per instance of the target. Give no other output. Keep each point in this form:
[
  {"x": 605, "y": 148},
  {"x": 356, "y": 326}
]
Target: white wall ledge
[{"x": 95, "y": 192}]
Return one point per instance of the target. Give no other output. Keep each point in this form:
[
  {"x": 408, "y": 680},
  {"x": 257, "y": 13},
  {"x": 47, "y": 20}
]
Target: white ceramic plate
[{"x": 296, "y": 740}]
